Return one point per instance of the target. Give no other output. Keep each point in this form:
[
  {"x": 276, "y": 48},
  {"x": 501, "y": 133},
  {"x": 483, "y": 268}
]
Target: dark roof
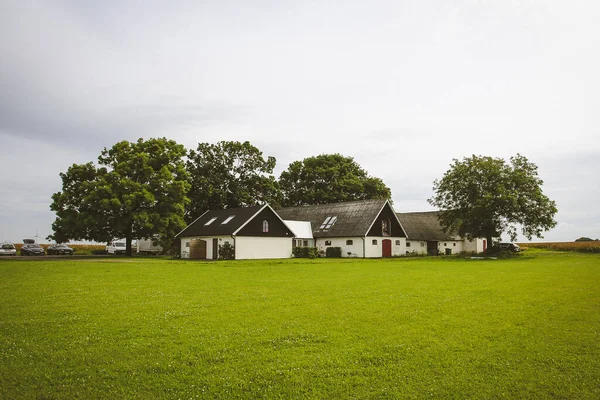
[
  {"x": 354, "y": 218},
  {"x": 198, "y": 227},
  {"x": 424, "y": 226}
]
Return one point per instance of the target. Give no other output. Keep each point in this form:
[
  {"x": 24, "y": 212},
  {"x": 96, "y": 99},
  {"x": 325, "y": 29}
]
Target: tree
[
  {"x": 138, "y": 190},
  {"x": 584, "y": 239},
  {"x": 484, "y": 197},
  {"x": 329, "y": 178},
  {"x": 229, "y": 175}
]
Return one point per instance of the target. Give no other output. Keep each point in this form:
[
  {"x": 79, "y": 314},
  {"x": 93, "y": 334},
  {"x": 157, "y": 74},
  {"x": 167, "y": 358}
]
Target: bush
[
  {"x": 98, "y": 252},
  {"x": 226, "y": 252},
  {"x": 305, "y": 252},
  {"x": 333, "y": 252}
]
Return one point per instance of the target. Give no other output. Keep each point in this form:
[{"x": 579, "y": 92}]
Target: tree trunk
[{"x": 489, "y": 243}]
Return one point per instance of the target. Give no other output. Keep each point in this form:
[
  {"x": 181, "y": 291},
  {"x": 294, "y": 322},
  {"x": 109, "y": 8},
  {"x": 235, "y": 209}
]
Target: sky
[{"x": 403, "y": 87}]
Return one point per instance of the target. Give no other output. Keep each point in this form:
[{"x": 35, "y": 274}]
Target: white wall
[
  {"x": 376, "y": 250},
  {"x": 456, "y": 246},
  {"x": 355, "y": 249},
  {"x": 251, "y": 247},
  {"x": 416, "y": 246},
  {"x": 475, "y": 245},
  {"x": 185, "y": 250}
]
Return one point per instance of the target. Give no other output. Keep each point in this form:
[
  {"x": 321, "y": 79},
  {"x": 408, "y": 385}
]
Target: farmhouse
[
  {"x": 254, "y": 232},
  {"x": 426, "y": 236},
  {"x": 367, "y": 228}
]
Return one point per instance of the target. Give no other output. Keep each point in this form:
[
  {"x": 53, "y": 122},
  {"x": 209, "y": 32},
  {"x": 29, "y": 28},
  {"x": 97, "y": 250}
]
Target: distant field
[
  {"x": 584, "y": 247},
  {"x": 525, "y": 327}
]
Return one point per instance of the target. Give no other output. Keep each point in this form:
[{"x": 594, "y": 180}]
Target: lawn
[{"x": 525, "y": 327}]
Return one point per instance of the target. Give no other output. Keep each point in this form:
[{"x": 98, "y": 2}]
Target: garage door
[{"x": 198, "y": 249}]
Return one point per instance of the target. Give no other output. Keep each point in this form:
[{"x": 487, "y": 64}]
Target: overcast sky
[{"x": 404, "y": 87}]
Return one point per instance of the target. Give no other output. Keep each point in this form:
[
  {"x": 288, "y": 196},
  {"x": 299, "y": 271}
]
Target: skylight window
[
  {"x": 328, "y": 223},
  {"x": 228, "y": 219},
  {"x": 211, "y": 221}
]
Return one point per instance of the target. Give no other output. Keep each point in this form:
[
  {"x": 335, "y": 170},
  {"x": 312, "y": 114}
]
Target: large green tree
[
  {"x": 138, "y": 189},
  {"x": 329, "y": 178},
  {"x": 229, "y": 174},
  {"x": 485, "y": 197}
]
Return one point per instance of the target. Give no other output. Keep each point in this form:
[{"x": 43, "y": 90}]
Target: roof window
[
  {"x": 328, "y": 223},
  {"x": 228, "y": 219},
  {"x": 210, "y": 221}
]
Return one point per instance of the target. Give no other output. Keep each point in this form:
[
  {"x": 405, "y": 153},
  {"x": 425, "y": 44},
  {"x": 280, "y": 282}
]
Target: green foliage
[
  {"x": 305, "y": 252},
  {"x": 138, "y": 190},
  {"x": 329, "y": 178},
  {"x": 403, "y": 328},
  {"x": 333, "y": 252},
  {"x": 226, "y": 251},
  {"x": 228, "y": 175},
  {"x": 585, "y": 239},
  {"x": 485, "y": 196}
]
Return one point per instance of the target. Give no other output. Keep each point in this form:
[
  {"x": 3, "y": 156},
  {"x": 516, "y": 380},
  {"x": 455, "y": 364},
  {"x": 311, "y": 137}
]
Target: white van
[{"x": 116, "y": 247}]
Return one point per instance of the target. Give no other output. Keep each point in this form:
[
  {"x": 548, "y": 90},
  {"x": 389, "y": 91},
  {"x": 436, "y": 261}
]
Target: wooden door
[
  {"x": 215, "y": 246},
  {"x": 386, "y": 248},
  {"x": 198, "y": 249}
]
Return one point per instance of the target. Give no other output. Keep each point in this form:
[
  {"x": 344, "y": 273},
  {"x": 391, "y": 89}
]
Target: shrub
[
  {"x": 305, "y": 252},
  {"x": 226, "y": 251},
  {"x": 333, "y": 252}
]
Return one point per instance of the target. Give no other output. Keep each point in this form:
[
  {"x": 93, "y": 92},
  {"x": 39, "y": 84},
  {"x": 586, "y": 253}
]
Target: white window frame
[{"x": 228, "y": 219}]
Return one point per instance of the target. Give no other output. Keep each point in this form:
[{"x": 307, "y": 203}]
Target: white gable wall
[
  {"x": 416, "y": 246},
  {"x": 253, "y": 247},
  {"x": 376, "y": 250}
]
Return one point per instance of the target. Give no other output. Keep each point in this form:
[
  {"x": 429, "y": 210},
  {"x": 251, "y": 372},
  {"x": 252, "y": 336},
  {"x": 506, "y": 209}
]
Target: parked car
[
  {"x": 60, "y": 249},
  {"x": 31, "y": 248},
  {"x": 8, "y": 249},
  {"x": 509, "y": 247},
  {"x": 116, "y": 247}
]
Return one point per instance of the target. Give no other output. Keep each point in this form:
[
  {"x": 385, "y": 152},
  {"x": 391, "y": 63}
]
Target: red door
[{"x": 386, "y": 248}]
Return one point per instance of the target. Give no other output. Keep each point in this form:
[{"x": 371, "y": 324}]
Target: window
[
  {"x": 305, "y": 243},
  {"x": 407, "y": 244},
  {"x": 265, "y": 226},
  {"x": 374, "y": 241},
  {"x": 445, "y": 244},
  {"x": 328, "y": 223},
  {"x": 385, "y": 227},
  {"x": 349, "y": 242},
  {"x": 228, "y": 219},
  {"x": 422, "y": 244},
  {"x": 210, "y": 221},
  {"x": 397, "y": 243},
  {"x": 328, "y": 243},
  {"x": 454, "y": 244},
  {"x": 187, "y": 244}
]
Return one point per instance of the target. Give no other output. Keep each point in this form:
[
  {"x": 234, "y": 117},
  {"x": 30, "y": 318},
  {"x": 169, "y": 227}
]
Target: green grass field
[{"x": 526, "y": 327}]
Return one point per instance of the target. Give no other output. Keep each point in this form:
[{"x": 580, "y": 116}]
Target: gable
[
  {"x": 388, "y": 217},
  {"x": 276, "y": 227}
]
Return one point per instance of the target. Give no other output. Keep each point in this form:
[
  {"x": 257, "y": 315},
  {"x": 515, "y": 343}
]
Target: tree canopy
[
  {"x": 229, "y": 174},
  {"x": 138, "y": 190},
  {"x": 329, "y": 178},
  {"x": 485, "y": 197}
]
